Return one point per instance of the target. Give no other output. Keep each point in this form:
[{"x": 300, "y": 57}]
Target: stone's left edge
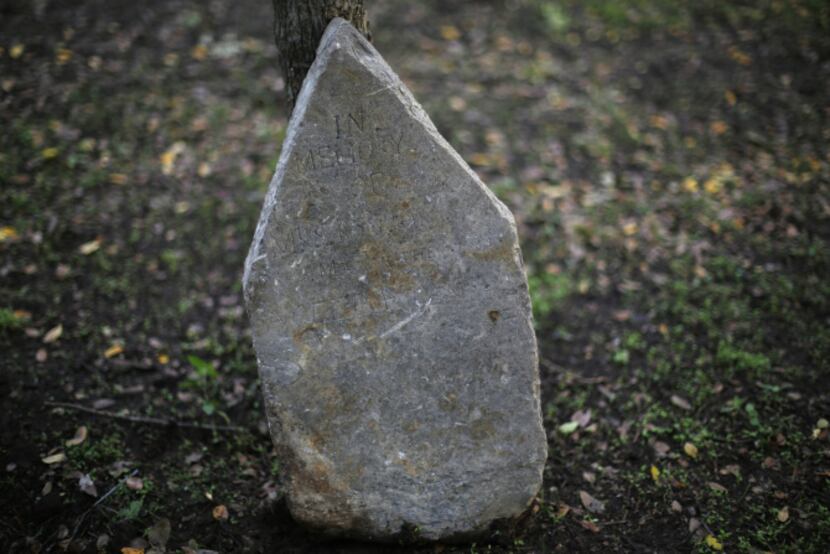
[{"x": 256, "y": 254}]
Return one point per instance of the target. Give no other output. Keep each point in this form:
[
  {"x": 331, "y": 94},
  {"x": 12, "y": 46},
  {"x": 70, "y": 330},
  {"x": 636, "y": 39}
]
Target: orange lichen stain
[
  {"x": 366, "y": 325},
  {"x": 408, "y": 467},
  {"x": 316, "y": 441},
  {"x": 315, "y": 478},
  {"x": 374, "y": 299},
  {"x": 353, "y": 470},
  {"x": 332, "y": 401},
  {"x": 385, "y": 268},
  {"x": 299, "y": 334},
  {"x": 448, "y": 403},
  {"x": 307, "y": 210},
  {"x": 411, "y": 426},
  {"x": 504, "y": 251},
  {"x": 480, "y": 429}
]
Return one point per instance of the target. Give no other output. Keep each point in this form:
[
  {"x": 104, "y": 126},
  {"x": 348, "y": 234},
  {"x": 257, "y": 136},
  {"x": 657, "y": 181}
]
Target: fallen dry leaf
[
  {"x": 54, "y": 458},
  {"x": 661, "y": 448},
  {"x": 118, "y": 179},
  {"x": 193, "y": 458},
  {"x": 690, "y": 450},
  {"x": 694, "y": 524},
  {"x": 87, "y": 486},
  {"x": 713, "y": 543},
  {"x": 589, "y": 525},
  {"x": 113, "y": 351},
  {"x": 680, "y": 402},
  {"x": 731, "y": 469},
  {"x": 159, "y": 533},
  {"x": 582, "y": 417},
  {"x": 53, "y": 334},
  {"x": 480, "y": 158},
  {"x": 591, "y": 504},
  {"x": 119, "y": 468},
  {"x": 659, "y": 121},
  {"x": 622, "y": 315},
  {"x": 168, "y": 158},
  {"x": 718, "y": 127},
  {"x": 569, "y": 427},
  {"x": 717, "y": 487},
  {"x": 690, "y": 184},
  {"x": 63, "y": 55},
  {"x": 450, "y": 32},
  {"x": 655, "y": 473},
  {"x": 135, "y": 483},
  {"x": 80, "y": 436},
  {"x": 220, "y": 513},
  {"x": 103, "y": 403},
  {"x": 131, "y": 550},
  {"x": 199, "y": 52},
  {"x": 7, "y": 233},
  {"x": 784, "y": 514},
  {"x": 90, "y": 247},
  {"x": 457, "y": 103}
]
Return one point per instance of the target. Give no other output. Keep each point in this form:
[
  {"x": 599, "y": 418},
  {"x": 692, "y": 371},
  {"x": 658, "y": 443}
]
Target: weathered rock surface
[{"x": 390, "y": 316}]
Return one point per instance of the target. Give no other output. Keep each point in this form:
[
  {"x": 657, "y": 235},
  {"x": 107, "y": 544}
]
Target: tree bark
[{"x": 298, "y": 27}]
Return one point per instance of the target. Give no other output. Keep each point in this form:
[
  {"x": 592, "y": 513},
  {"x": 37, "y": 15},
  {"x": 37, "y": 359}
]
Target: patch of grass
[
  {"x": 8, "y": 319},
  {"x": 734, "y": 360},
  {"x": 97, "y": 452},
  {"x": 556, "y": 18},
  {"x": 547, "y": 292}
]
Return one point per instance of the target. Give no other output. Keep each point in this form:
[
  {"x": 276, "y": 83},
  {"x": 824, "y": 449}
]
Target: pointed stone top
[{"x": 340, "y": 37}]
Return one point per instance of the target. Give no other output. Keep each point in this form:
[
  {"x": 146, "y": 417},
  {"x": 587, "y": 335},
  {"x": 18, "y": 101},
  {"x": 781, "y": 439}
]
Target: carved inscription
[
  {"x": 349, "y": 306},
  {"x": 374, "y": 219},
  {"x": 356, "y": 140},
  {"x": 386, "y": 214}
]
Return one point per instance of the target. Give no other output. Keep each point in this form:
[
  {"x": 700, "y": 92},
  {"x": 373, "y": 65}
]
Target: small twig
[
  {"x": 131, "y": 364},
  {"x": 146, "y": 419},
  {"x": 133, "y": 473},
  {"x": 82, "y": 517},
  {"x": 617, "y": 522}
]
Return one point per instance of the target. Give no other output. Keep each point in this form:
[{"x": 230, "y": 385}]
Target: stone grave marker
[{"x": 391, "y": 317}]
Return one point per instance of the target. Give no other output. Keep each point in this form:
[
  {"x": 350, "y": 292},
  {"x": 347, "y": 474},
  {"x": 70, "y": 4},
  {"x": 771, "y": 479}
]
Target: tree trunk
[{"x": 298, "y": 27}]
